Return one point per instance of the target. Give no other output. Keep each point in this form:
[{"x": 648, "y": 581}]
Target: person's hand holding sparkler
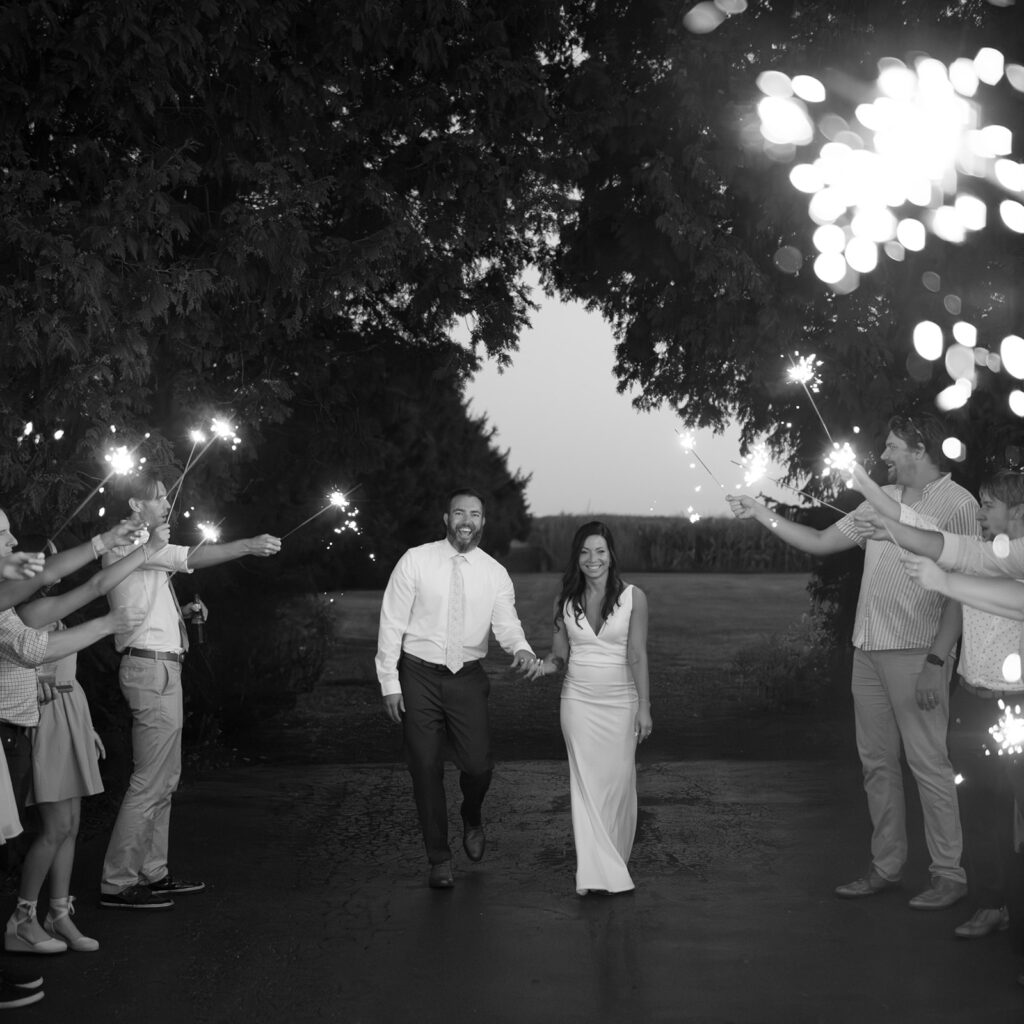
[
  {"x": 263, "y": 546},
  {"x": 21, "y": 565},
  {"x": 869, "y": 524},
  {"x": 926, "y": 573}
]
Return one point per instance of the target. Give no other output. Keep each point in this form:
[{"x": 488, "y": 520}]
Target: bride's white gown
[{"x": 599, "y": 705}]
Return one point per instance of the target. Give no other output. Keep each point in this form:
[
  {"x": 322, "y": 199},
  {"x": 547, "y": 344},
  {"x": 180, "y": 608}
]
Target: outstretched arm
[
  {"x": 202, "y": 555},
  {"x": 49, "y": 609},
  {"x": 70, "y": 641},
  {"x": 64, "y": 563},
  {"x": 804, "y": 538},
  {"x": 1003, "y": 597}
]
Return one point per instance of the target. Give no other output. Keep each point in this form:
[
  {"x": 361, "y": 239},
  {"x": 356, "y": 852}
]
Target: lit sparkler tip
[
  {"x": 687, "y": 440},
  {"x": 121, "y": 460},
  {"x": 804, "y": 371},
  {"x": 756, "y": 464},
  {"x": 338, "y": 499},
  {"x": 196, "y": 436},
  {"x": 222, "y": 429},
  {"x": 1008, "y": 732},
  {"x": 841, "y": 461},
  {"x": 209, "y": 531}
]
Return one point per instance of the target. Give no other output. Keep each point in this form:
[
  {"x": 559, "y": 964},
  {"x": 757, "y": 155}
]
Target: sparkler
[
  {"x": 803, "y": 373},
  {"x": 748, "y": 482},
  {"x": 688, "y": 441},
  {"x": 336, "y": 499},
  {"x": 1008, "y": 732},
  {"x": 840, "y": 461},
  {"x": 122, "y": 462},
  {"x": 209, "y": 533},
  {"x": 219, "y": 430}
]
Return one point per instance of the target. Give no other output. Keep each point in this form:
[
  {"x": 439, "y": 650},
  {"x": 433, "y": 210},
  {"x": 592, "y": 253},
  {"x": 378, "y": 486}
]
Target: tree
[
  {"x": 226, "y": 206},
  {"x": 679, "y": 218}
]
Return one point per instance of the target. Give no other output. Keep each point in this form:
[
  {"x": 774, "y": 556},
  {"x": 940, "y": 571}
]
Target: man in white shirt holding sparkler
[{"x": 135, "y": 870}]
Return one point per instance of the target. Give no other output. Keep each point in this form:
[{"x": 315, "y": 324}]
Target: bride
[{"x": 600, "y": 630}]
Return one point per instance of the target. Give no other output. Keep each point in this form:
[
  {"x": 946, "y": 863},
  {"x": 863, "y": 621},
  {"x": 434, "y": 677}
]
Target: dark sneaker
[
  {"x": 11, "y": 997},
  {"x": 20, "y": 979},
  {"x": 136, "y": 897},
  {"x": 171, "y": 886}
]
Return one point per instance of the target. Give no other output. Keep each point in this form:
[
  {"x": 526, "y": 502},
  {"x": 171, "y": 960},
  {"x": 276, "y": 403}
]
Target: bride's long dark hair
[{"x": 574, "y": 583}]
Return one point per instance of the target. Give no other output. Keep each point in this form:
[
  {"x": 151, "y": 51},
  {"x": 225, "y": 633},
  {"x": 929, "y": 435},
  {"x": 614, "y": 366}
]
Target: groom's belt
[
  {"x": 141, "y": 652},
  {"x": 434, "y": 665}
]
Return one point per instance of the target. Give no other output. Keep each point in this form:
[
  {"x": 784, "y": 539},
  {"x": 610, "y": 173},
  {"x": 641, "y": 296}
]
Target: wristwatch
[{"x": 934, "y": 659}]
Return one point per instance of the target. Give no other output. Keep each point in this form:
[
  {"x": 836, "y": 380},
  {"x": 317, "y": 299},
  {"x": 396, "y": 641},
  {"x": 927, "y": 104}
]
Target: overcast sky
[{"x": 558, "y": 413}]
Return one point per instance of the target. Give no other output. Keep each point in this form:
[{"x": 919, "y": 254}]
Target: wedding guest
[
  {"x": 600, "y": 629},
  {"x": 65, "y": 767},
  {"x": 136, "y": 875},
  {"x": 442, "y": 600},
  {"x": 903, "y": 638}
]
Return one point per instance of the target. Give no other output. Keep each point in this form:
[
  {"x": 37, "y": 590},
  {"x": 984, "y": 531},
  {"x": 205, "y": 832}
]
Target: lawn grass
[{"x": 697, "y": 623}]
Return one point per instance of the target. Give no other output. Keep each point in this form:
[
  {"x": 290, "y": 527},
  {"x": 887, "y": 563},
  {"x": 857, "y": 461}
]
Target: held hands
[
  {"x": 523, "y": 662},
  {"x": 22, "y": 565},
  {"x": 264, "y": 545},
  {"x": 394, "y": 707}
]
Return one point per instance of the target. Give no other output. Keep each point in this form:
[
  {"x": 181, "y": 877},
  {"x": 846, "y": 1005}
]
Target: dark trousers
[
  {"x": 986, "y": 796},
  {"x": 440, "y": 709}
]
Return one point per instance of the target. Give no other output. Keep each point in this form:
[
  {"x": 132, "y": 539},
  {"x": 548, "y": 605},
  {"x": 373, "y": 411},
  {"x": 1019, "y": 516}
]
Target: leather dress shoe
[
  {"x": 942, "y": 893},
  {"x": 441, "y": 876},
  {"x": 474, "y": 841},
  {"x": 870, "y": 885},
  {"x": 984, "y": 922}
]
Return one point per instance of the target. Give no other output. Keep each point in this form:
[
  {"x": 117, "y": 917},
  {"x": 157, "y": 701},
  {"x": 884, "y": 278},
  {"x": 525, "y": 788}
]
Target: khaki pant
[
  {"x": 886, "y": 713},
  {"x": 137, "y": 852}
]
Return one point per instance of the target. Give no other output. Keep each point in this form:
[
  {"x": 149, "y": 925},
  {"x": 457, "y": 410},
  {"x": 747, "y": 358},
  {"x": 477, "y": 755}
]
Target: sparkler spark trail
[
  {"x": 789, "y": 487},
  {"x": 840, "y": 461},
  {"x": 1008, "y": 732},
  {"x": 803, "y": 373},
  {"x": 122, "y": 462},
  {"x": 688, "y": 443},
  {"x": 336, "y": 499},
  {"x": 219, "y": 430}
]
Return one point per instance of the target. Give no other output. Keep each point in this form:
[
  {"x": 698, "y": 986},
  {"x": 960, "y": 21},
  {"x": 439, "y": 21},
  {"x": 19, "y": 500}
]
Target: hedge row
[{"x": 669, "y": 544}]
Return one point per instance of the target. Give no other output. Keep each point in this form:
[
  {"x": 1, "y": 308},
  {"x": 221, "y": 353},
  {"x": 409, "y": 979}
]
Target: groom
[{"x": 440, "y": 603}]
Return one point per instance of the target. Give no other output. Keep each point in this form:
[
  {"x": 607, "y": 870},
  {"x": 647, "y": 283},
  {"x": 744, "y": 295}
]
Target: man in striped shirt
[{"x": 902, "y": 637}]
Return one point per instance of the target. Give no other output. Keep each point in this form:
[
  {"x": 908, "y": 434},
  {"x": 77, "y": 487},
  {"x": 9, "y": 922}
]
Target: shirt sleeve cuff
[
  {"x": 389, "y": 687},
  {"x": 948, "y": 558}
]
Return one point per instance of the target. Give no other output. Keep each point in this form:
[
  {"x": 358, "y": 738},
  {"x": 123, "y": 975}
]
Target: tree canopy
[{"x": 278, "y": 210}]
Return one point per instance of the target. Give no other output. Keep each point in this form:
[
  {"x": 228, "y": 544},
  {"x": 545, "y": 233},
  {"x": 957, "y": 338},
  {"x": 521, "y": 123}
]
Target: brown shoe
[
  {"x": 942, "y": 893},
  {"x": 474, "y": 841},
  {"x": 984, "y": 922},
  {"x": 870, "y": 885},
  {"x": 441, "y": 876}
]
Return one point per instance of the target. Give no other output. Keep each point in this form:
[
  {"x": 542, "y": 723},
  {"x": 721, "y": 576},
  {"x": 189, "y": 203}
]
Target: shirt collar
[{"x": 450, "y": 551}]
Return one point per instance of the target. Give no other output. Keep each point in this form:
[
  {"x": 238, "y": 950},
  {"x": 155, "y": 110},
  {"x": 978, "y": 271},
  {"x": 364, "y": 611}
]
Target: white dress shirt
[
  {"x": 414, "y": 611},
  {"x": 149, "y": 588}
]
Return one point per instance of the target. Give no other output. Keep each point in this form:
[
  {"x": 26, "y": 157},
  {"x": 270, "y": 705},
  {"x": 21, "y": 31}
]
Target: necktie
[{"x": 453, "y": 658}]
